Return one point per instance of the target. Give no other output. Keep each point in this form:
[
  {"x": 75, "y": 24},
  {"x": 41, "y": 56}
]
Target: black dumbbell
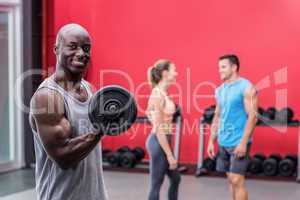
[
  {"x": 256, "y": 164},
  {"x": 130, "y": 158},
  {"x": 285, "y": 115},
  {"x": 105, "y": 152},
  {"x": 127, "y": 160},
  {"x": 139, "y": 153},
  {"x": 288, "y": 165},
  {"x": 112, "y": 110},
  {"x": 209, "y": 164},
  {"x": 270, "y": 114},
  {"x": 123, "y": 149},
  {"x": 114, "y": 158},
  {"x": 260, "y": 115},
  {"x": 270, "y": 165},
  {"x": 177, "y": 114},
  {"x": 209, "y": 113}
]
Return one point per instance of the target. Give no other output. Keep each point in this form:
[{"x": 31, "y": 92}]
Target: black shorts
[{"x": 228, "y": 162}]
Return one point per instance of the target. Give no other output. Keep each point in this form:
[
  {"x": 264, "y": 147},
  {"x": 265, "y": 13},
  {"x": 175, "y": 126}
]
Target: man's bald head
[
  {"x": 68, "y": 29},
  {"x": 72, "y": 48}
]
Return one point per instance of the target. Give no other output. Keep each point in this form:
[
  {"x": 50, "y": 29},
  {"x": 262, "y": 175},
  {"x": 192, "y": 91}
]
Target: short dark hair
[{"x": 233, "y": 59}]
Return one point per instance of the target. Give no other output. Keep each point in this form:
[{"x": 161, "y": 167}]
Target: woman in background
[{"x": 160, "y": 112}]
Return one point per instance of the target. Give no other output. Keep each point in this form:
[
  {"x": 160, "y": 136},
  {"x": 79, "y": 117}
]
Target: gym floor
[{"x": 19, "y": 185}]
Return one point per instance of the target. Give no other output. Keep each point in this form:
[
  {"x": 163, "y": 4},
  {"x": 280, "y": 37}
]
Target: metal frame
[
  {"x": 15, "y": 69},
  {"x": 200, "y": 170},
  {"x": 32, "y": 63},
  {"x": 178, "y": 137}
]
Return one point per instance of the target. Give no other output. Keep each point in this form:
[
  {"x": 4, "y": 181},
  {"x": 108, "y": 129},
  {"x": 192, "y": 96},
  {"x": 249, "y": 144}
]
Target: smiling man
[
  {"x": 233, "y": 124},
  {"x": 68, "y": 157}
]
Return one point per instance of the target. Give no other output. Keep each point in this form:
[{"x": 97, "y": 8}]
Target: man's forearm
[
  {"x": 76, "y": 149},
  {"x": 214, "y": 130},
  {"x": 212, "y": 137},
  {"x": 250, "y": 125}
]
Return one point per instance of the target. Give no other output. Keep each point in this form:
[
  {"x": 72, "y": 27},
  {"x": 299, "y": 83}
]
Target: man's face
[
  {"x": 226, "y": 69},
  {"x": 73, "y": 52}
]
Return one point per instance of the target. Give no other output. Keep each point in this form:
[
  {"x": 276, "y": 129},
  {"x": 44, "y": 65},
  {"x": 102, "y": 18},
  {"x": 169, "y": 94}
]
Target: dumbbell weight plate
[
  {"x": 113, "y": 159},
  {"x": 112, "y": 110},
  {"x": 105, "y": 152},
  {"x": 209, "y": 164},
  {"x": 209, "y": 114},
  {"x": 270, "y": 165},
  {"x": 127, "y": 160},
  {"x": 260, "y": 156},
  {"x": 256, "y": 163},
  {"x": 124, "y": 149},
  {"x": 270, "y": 113},
  {"x": 288, "y": 165},
  {"x": 139, "y": 153},
  {"x": 177, "y": 114}
]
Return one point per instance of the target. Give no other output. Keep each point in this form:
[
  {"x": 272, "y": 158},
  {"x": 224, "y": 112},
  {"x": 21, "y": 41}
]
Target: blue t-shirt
[{"x": 233, "y": 116}]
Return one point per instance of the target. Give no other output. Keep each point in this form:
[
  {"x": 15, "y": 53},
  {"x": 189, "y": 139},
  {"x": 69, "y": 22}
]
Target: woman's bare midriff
[{"x": 168, "y": 112}]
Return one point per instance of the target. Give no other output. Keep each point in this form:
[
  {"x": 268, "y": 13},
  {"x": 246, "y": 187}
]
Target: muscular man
[
  {"x": 68, "y": 155},
  {"x": 233, "y": 124}
]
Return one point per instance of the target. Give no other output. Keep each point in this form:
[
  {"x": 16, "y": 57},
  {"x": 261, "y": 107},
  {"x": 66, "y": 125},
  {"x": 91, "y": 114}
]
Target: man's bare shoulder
[{"x": 47, "y": 103}]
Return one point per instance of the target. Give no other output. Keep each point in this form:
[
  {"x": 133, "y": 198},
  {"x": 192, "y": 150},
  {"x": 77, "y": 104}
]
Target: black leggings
[{"x": 159, "y": 167}]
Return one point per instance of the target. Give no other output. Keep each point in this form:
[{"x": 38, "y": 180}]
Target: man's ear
[
  {"x": 55, "y": 49},
  {"x": 235, "y": 67}
]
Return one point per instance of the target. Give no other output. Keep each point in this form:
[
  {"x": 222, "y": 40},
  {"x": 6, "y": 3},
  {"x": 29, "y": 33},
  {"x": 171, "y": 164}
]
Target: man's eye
[
  {"x": 86, "y": 48},
  {"x": 73, "y": 46}
]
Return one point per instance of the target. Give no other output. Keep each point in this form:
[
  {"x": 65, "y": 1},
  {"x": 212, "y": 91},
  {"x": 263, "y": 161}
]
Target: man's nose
[{"x": 79, "y": 52}]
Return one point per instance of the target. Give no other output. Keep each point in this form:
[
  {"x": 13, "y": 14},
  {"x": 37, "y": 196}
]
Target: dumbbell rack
[
  {"x": 200, "y": 169},
  {"x": 178, "y": 127}
]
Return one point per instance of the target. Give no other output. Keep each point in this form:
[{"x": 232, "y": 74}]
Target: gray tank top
[{"x": 85, "y": 182}]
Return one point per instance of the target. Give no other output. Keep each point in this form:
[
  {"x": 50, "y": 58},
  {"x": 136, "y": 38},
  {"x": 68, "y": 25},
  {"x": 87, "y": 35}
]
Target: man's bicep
[
  {"x": 53, "y": 132},
  {"x": 52, "y": 126},
  {"x": 251, "y": 100},
  {"x": 217, "y": 109}
]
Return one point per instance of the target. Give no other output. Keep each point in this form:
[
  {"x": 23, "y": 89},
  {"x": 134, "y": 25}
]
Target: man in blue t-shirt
[{"x": 233, "y": 124}]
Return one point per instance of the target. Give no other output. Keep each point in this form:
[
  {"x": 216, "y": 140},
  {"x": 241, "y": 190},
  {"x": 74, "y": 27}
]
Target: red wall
[{"x": 130, "y": 35}]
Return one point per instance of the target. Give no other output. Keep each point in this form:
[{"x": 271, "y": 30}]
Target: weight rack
[{"x": 200, "y": 169}]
